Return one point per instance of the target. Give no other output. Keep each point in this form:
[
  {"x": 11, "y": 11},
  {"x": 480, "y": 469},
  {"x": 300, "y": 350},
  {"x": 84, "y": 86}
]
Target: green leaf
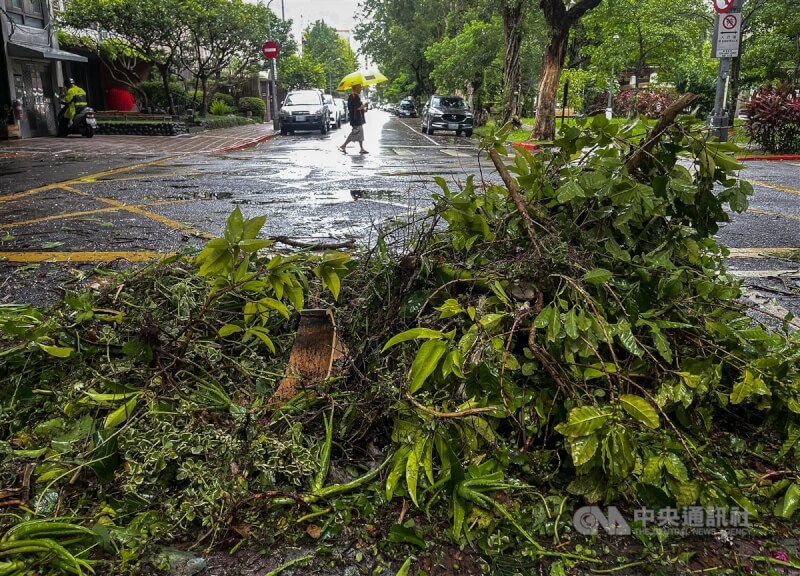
[
  {"x": 583, "y": 448},
  {"x": 403, "y": 535},
  {"x": 330, "y": 279},
  {"x": 398, "y": 470},
  {"x": 404, "y": 569},
  {"x": 234, "y": 227},
  {"x": 557, "y": 568},
  {"x": 251, "y": 246},
  {"x": 450, "y": 308},
  {"x": 121, "y": 414},
  {"x": 597, "y": 276},
  {"x": 676, "y": 467},
  {"x": 229, "y": 329},
  {"x": 412, "y": 467},
  {"x": 571, "y": 323},
  {"x": 252, "y": 227},
  {"x": 791, "y": 500},
  {"x": 56, "y": 351},
  {"x": 640, "y": 409},
  {"x": 582, "y": 421},
  {"x": 261, "y": 334},
  {"x": 748, "y": 386},
  {"x": 413, "y": 334},
  {"x": 425, "y": 363}
]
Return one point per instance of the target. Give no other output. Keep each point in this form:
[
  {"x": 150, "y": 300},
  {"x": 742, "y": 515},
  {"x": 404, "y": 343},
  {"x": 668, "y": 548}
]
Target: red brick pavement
[{"x": 204, "y": 142}]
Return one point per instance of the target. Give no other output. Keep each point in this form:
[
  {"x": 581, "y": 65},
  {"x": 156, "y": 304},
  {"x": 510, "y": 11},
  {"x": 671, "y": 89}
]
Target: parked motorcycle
[{"x": 84, "y": 122}]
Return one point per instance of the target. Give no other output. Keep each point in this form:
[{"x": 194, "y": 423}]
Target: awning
[{"x": 28, "y": 51}]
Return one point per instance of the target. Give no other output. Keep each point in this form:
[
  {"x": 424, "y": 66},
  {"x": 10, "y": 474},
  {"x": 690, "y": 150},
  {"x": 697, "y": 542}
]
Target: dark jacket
[{"x": 356, "y": 115}]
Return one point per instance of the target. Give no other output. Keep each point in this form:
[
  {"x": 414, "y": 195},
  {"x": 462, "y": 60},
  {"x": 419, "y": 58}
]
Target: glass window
[
  {"x": 14, "y": 4},
  {"x": 36, "y": 6}
]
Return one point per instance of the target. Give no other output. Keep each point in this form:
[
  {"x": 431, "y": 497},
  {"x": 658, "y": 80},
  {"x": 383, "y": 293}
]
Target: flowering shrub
[
  {"x": 648, "y": 103},
  {"x": 773, "y": 118},
  {"x": 120, "y": 99}
]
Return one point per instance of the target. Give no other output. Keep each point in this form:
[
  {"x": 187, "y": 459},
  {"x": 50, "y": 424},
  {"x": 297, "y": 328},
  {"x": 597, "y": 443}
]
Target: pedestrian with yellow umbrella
[{"x": 356, "y": 81}]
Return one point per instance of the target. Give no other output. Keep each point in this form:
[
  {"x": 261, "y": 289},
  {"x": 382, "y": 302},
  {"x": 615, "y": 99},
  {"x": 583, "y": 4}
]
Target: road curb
[
  {"x": 776, "y": 157},
  {"x": 246, "y": 145}
]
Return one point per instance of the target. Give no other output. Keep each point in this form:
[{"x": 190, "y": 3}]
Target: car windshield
[
  {"x": 449, "y": 102},
  {"x": 302, "y": 99}
]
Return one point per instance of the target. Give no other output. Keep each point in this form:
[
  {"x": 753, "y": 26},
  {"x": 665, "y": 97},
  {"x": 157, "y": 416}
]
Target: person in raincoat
[
  {"x": 74, "y": 100},
  {"x": 357, "y": 120}
]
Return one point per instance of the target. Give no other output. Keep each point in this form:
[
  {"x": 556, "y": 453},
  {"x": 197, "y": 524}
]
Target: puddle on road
[{"x": 375, "y": 194}]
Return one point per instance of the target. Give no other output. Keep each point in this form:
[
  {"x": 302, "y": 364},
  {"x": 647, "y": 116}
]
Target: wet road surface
[{"x": 96, "y": 205}]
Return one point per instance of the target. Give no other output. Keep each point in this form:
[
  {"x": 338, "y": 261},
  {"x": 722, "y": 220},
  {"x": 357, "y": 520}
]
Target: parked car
[
  {"x": 407, "y": 109},
  {"x": 304, "y": 110},
  {"x": 336, "y": 112},
  {"x": 446, "y": 113},
  {"x": 345, "y": 112}
]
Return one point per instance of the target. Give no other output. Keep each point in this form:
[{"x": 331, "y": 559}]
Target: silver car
[
  {"x": 447, "y": 113},
  {"x": 345, "y": 112}
]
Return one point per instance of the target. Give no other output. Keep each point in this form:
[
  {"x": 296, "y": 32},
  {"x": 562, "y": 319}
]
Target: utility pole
[{"x": 725, "y": 46}]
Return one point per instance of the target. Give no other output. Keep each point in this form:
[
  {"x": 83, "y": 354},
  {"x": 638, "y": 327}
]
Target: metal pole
[
  {"x": 718, "y": 120},
  {"x": 275, "y": 119},
  {"x": 283, "y": 12},
  {"x": 610, "y": 107}
]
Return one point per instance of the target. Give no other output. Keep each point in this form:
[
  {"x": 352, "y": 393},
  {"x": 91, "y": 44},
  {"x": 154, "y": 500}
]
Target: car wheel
[
  {"x": 430, "y": 131},
  {"x": 339, "y": 123},
  {"x": 423, "y": 128},
  {"x": 458, "y": 132},
  {"x": 324, "y": 128},
  {"x": 284, "y": 131},
  {"x": 468, "y": 133},
  {"x": 88, "y": 132}
]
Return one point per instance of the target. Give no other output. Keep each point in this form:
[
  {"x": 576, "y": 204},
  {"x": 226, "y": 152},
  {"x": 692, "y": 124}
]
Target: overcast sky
[{"x": 336, "y": 13}]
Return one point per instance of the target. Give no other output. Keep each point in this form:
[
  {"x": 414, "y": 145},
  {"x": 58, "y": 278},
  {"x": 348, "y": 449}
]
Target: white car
[
  {"x": 336, "y": 111},
  {"x": 345, "y": 112}
]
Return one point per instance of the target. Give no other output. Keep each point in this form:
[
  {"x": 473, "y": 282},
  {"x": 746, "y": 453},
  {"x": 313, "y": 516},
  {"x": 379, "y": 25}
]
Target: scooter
[{"x": 83, "y": 122}]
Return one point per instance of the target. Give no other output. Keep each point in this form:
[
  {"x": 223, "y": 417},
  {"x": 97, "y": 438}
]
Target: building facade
[{"x": 31, "y": 75}]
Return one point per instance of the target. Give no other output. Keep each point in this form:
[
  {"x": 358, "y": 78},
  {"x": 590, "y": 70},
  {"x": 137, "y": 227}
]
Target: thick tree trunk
[
  {"x": 512, "y": 28},
  {"x": 560, "y": 20},
  {"x": 553, "y": 61}
]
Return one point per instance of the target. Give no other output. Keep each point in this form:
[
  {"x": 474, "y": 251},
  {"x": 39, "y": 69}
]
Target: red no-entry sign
[
  {"x": 723, "y": 6},
  {"x": 270, "y": 49}
]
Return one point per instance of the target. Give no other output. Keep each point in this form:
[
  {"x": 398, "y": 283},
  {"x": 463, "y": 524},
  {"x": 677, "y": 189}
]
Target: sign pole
[
  {"x": 728, "y": 17},
  {"x": 275, "y": 119}
]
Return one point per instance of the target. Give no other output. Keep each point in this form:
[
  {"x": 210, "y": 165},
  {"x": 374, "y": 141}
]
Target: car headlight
[{"x": 435, "y": 112}]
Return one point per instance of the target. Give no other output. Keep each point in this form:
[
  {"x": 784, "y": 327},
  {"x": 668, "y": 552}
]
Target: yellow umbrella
[{"x": 363, "y": 77}]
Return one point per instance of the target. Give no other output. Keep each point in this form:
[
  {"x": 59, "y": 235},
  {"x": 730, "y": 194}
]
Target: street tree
[
  {"x": 561, "y": 17},
  {"x": 300, "y": 72},
  {"x": 222, "y": 33},
  {"x": 639, "y": 35},
  {"x": 323, "y": 44},
  {"x": 468, "y": 60},
  {"x": 151, "y": 29},
  {"x": 513, "y": 13}
]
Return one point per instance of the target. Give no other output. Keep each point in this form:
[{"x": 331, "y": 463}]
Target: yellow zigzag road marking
[
  {"x": 135, "y": 209},
  {"x": 770, "y": 213},
  {"x": 79, "y": 257},
  {"x": 69, "y": 215}
]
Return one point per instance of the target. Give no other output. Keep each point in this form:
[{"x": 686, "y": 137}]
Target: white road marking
[{"x": 765, "y": 273}]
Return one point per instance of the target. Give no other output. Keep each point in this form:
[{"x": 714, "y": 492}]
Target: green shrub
[
  {"x": 219, "y": 108},
  {"x": 226, "y": 98},
  {"x": 254, "y": 105},
  {"x": 218, "y": 122},
  {"x": 194, "y": 97},
  {"x": 154, "y": 91}
]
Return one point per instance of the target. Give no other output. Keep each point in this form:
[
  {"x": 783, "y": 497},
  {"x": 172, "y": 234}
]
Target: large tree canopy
[{"x": 323, "y": 45}]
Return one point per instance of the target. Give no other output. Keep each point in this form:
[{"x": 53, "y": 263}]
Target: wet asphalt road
[{"x": 61, "y": 214}]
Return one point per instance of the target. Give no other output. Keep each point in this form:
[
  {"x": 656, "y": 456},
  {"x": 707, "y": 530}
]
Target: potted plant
[{"x": 8, "y": 124}]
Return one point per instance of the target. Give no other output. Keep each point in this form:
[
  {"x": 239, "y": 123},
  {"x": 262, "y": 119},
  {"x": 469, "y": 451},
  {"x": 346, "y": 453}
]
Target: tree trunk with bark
[
  {"x": 513, "y": 15},
  {"x": 163, "y": 70},
  {"x": 560, "y": 20}
]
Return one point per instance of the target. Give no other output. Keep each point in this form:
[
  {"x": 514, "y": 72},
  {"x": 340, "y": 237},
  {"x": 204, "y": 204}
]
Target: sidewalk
[{"x": 211, "y": 141}]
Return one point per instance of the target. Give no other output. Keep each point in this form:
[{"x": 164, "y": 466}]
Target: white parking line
[
  {"x": 431, "y": 140},
  {"x": 765, "y": 273}
]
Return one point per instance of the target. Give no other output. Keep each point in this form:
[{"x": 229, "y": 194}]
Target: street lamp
[{"x": 610, "y": 107}]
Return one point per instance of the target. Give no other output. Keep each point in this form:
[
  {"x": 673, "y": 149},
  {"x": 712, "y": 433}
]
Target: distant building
[{"x": 31, "y": 73}]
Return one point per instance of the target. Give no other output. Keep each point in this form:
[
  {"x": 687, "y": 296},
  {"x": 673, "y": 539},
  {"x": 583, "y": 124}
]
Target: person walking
[{"x": 357, "y": 120}]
